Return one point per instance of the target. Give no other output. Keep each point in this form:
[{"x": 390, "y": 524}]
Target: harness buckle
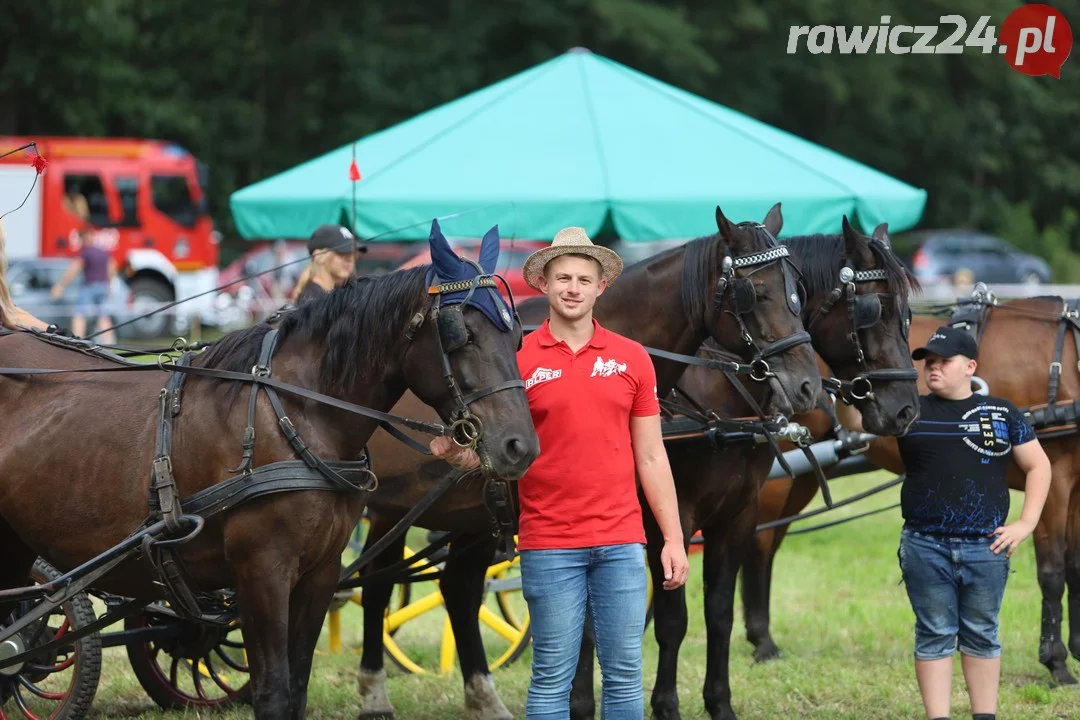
[
  {"x": 1056, "y": 367},
  {"x": 260, "y": 370}
]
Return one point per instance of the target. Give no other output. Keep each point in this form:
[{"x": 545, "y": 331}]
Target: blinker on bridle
[
  {"x": 864, "y": 311},
  {"x": 744, "y": 299}
]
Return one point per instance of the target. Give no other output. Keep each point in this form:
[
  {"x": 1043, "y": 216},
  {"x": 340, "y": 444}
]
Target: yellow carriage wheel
[{"x": 420, "y": 640}]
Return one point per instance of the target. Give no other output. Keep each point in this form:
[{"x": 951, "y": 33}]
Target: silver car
[{"x": 31, "y": 282}]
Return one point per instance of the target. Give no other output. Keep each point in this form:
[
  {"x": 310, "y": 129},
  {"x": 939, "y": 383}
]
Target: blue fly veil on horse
[{"x": 447, "y": 268}]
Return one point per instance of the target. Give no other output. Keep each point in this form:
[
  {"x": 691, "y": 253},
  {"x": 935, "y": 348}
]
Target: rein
[{"x": 255, "y": 377}]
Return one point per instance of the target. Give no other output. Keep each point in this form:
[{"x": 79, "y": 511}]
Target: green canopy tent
[{"x": 578, "y": 140}]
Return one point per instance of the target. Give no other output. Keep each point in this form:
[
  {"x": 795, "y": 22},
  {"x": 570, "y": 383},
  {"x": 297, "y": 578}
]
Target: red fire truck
[{"x": 147, "y": 201}]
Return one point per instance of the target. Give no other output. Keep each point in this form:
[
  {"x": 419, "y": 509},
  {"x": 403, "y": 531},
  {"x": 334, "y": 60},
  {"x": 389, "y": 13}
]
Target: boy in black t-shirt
[{"x": 955, "y": 500}]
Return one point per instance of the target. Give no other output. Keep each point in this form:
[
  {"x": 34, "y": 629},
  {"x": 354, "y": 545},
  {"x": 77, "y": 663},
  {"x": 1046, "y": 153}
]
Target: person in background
[
  {"x": 955, "y": 544},
  {"x": 98, "y": 270},
  {"x": 13, "y": 317},
  {"x": 333, "y": 262}
]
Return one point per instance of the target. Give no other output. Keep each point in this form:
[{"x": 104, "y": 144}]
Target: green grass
[{"x": 839, "y": 614}]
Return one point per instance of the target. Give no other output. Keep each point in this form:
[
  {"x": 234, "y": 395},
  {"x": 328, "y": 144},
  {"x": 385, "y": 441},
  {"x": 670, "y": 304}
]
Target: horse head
[
  {"x": 465, "y": 364},
  {"x": 757, "y": 311},
  {"x": 877, "y": 324}
]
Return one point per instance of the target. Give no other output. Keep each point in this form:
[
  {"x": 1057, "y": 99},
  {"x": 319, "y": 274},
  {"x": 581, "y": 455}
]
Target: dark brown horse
[
  {"x": 668, "y": 302},
  {"x": 1022, "y": 378},
  {"x": 718, "y": 488},
  {"x": 75, "y": 463}
]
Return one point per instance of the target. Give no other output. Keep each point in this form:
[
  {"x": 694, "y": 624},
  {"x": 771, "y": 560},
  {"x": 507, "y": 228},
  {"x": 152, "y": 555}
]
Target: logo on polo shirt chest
[
  {"x": 607, "y": 368},
  {"x": 542, "y": 374}
]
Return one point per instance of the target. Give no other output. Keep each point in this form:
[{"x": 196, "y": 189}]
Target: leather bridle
[{"x": 861, "y": 387}]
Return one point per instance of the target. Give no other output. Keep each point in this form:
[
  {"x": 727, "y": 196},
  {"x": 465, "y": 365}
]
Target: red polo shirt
[{"x": 581, "y": 491}]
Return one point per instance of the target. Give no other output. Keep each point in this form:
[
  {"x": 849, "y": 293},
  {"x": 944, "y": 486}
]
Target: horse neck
[
  {"x": 303, "y": 364},
  {"x": 645, "y": 305}
]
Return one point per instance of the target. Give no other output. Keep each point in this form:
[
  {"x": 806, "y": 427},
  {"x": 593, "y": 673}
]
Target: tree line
[{"x": 253, "y": 87}]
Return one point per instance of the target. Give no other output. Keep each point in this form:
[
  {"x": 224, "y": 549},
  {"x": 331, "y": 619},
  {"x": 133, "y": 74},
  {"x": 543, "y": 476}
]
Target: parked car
[
  {"x": 31, "y": 281},
  {"x": 939, "y": 254},
  {"x": 512, "y": 257}
]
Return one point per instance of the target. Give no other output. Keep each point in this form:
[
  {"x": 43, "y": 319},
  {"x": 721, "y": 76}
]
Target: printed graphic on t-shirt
[
  {"x": 607, "y": 368},
  {"x": 542, "y": 374},
  {"x": 955, "y": 458}
]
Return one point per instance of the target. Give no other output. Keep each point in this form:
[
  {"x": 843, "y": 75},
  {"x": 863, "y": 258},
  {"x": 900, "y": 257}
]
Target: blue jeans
[
  {"x": 559, "y": 585},
  {"x": 955, "y": 585}
]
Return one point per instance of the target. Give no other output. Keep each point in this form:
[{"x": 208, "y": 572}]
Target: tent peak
[{"x": 578, "y": 49}]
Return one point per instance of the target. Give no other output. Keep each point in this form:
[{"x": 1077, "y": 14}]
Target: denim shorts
[
  {"x": 92, "y": 298},
  {"x": 955, "y": 585}
]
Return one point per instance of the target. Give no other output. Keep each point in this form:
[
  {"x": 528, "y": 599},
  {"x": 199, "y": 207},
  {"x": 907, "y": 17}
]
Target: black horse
[{"x": 861, "y": 332}]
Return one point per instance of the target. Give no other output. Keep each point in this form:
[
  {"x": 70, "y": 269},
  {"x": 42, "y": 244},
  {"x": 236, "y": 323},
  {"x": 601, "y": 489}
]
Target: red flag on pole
[{"x": 354, "y": 169}]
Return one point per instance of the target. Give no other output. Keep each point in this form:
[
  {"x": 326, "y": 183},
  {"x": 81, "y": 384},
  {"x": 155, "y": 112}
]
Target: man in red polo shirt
[{"x": 592, "y": 394}]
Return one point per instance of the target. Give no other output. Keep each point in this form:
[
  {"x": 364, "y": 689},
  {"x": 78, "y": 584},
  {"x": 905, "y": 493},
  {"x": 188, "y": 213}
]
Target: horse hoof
[
  {"x": 1060, "y": 676},
  {"x": 482, "y": 702},
  {"x": 767, "y": 651}
]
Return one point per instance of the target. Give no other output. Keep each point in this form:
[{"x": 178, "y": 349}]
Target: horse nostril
[
  {"x": 516, "y": 449},
  {"x": 807, "y": 390},
  {"x": 906, "y": 414}
]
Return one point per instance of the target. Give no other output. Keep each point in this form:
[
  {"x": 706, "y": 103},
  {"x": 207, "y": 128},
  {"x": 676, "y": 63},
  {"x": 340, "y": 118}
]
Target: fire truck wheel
[{"x": 147, "y": 294}]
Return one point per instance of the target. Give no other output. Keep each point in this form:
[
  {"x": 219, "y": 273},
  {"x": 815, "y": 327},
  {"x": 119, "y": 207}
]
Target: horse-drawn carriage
[{"x": 260, "y": 546}]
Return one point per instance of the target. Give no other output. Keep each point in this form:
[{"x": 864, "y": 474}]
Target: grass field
[{"x": 839, "y": 614}]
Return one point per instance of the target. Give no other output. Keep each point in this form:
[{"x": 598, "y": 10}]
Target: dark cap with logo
[
  {"x": 946, "y": 342},
  {"x": 332, "y": 237}
]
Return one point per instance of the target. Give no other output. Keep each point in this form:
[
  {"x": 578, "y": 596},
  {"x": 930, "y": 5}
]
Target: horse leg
[
  {"x": 756, "y": 592},
  {"x": 15, "y": 564},
  {"x": 757, "y": 566},
  {"x": 264, "y": 581},
  {"x": 1072, "y": 572},
  {"x": 725, "y": 544},
  {"x": 307, "y": 610},
  {"x": 669, "y": 623},
  {"x": 374, "y": 702},
  {"x": 463, "y": 591},
  {"x": 1050, "y": 541},
  {"x": 582, "y": 697}
]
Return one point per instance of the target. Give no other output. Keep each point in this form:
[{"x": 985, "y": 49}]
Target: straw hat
[{"x": 572, "y": 240}]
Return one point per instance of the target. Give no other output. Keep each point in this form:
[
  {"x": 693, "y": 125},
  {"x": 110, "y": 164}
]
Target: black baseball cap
[
  {"x": 332, "y": 237},
  {"x": 946, "y": 342}
]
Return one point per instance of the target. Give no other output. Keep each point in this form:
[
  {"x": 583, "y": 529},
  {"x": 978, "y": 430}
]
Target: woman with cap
[
  {"x": 955, "y": 544},
  {"x": 592, "y": 394},
  {"x": 333, "y": 262}
]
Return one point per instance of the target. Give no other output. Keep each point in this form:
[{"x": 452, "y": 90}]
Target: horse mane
[
  {"x": 702, "y": 257},
  {"x": 360, "y": 326},
  {"x": 820, "y": 258}
]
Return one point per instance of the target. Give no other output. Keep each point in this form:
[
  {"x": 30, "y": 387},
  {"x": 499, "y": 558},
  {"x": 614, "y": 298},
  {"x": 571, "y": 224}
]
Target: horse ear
[
  {"x": 489, "y": 250},
  {"x": 774, "y": 220},
  {"x": 852, "y": 239},
  {"x": 856, "y": 245},
  {"x": 723, "y": 224},
  {"x": 881, "y": 234},
  {"x": 445, "y": 262}
]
